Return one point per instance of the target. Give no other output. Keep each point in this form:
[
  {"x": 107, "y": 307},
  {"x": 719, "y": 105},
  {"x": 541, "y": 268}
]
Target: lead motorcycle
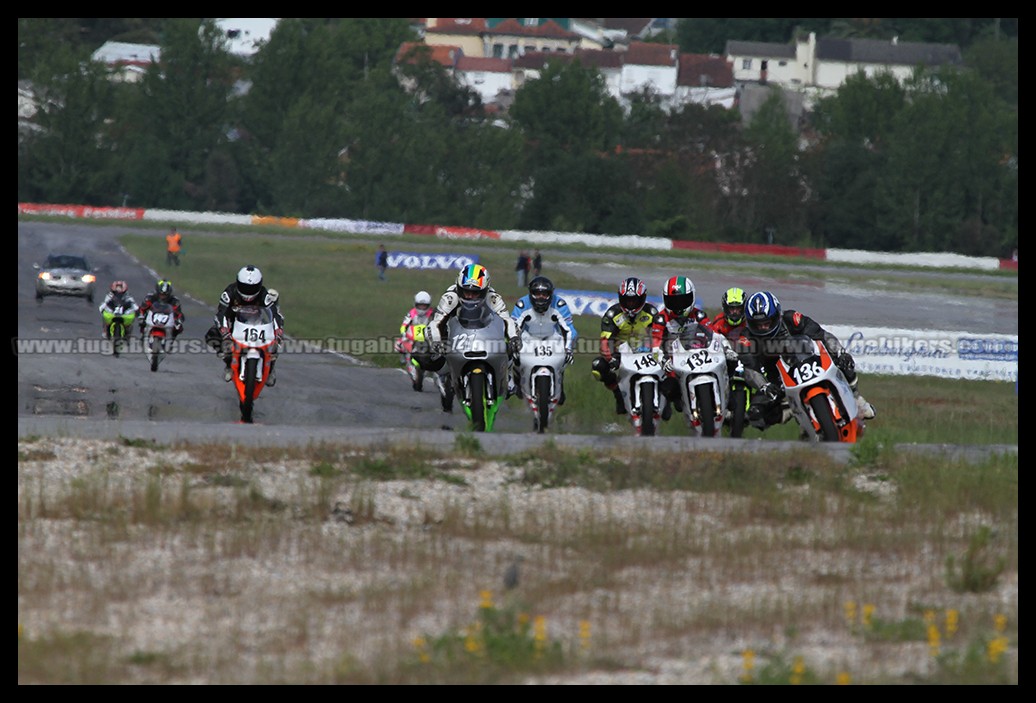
[
  {"x": 699, "y": 359},
  {"x": 640, "y": 377},
  {"x": 252, "y": 337},
  {"x": 476, "y": 357},
  {"x": 158, "y": 332},
  {"x": 542, "y": 369},
  {"x": 820, "y": 398}
]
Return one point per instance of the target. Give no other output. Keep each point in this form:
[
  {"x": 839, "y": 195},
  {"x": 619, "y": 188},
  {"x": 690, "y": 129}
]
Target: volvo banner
[
  {"x": 596, "y": 303},
  {"x": 422, "y": 260}
]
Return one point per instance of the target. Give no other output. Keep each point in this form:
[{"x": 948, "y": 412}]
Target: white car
[{"x": 65, "y": 274}]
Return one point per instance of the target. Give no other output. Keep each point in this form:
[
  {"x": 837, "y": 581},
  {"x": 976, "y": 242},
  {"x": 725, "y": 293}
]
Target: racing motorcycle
[
  {"x": 158, "y": 332},
  {"x": 738, "y": 401},
  {"x": 119, "y": 321},
  {"x": 542, "y": 368},
  {"x": 640, "y": 377},
  {"x": 252, "y": 336},
  {"x": 700, "y": 364},
  {"x": 476, "y": 357},
  {"x": 415, "y": 337},
  {"x": 818, "y": 394}
]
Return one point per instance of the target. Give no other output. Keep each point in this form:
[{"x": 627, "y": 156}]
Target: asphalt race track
[{"x": 321, "y": 397}]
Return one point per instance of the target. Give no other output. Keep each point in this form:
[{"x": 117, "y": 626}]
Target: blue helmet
[{"x": 763, "y": 314}]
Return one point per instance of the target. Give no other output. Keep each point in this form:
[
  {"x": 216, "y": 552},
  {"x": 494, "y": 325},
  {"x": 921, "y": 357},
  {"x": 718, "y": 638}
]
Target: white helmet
[
  {"x": 249, "y": 282},
  {"x": 422, "y": 298}
]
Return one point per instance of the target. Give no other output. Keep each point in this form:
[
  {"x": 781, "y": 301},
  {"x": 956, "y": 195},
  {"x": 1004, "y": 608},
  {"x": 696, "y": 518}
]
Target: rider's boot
[
  {"x": 227, "y": 373},
  {"x": 620, "y": 404},
  {"x": 271, "y": 379},
  {"x": 863, "y": 409}
]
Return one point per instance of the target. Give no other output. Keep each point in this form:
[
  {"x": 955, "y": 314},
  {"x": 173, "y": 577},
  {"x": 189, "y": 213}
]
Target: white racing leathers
[{"x": 447, "y": 308}]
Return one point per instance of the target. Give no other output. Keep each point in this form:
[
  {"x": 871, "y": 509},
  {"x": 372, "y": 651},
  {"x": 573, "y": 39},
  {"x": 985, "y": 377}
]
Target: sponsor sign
[
  {"x": 421, "y": 260},
  {"x": 946, "y": 354},
  {"x": 591, "y": 302}
]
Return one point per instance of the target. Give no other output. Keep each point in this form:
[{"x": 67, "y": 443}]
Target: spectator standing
[
  {"x": 381, "y": 261},
  {"x": 522, "y": 268},
  {"x": 173, "y": 244},
  {"x": 537, "y": 263}
]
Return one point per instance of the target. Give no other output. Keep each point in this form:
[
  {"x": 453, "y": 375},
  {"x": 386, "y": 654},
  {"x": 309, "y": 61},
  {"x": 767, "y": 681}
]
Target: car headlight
[
  {"x": 45, "y": 275},
  {"x": 89, "y": 278}
]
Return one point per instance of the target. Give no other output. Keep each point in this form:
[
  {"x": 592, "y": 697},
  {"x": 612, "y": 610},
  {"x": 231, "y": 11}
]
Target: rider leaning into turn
[
  {"x": 118, "y": 296},
  {"x": 542, "y": 306},
  {"x": 471, "y": 290},
  {"x": 163, "y": 294},
  {"x": 628, "y": 319},
  {"x": 247, "y": 289},
  {"x": 768, "y": 329}
]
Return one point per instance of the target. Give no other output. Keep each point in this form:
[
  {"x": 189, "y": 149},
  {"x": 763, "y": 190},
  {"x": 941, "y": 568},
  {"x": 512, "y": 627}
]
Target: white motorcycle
[
  {"x": 542, "y": 369},
  {"x": 640, "y": 377},
  {"x": 820, "y": 398},
  {"x": 699, "y": 359}
]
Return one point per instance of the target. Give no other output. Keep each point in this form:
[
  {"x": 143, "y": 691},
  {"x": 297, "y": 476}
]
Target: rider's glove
[
  {"x": 770, "y": 393},
  {"x": 224, "y": 332},
  {"x": 437, "y": 348},
  {"x": 667, "y": 365},
  {"x": 569, "y": 357},
  {"x": 279, "y": 333},
  {"x": 731, "y": 355},
  {"x": 845, "y": 362},
  {"x": 514, "y": 345},
  {"x": 613, "y": 363}
]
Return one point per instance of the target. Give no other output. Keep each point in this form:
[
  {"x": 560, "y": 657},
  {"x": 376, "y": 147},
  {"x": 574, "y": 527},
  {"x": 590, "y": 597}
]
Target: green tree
[
  {"x": 172, "y": 124},
  {"x": 775, "y": 196},
  {"x": 60, "y": 158}
]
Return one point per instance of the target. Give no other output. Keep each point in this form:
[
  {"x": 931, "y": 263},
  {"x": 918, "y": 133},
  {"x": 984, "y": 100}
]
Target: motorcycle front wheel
[
  {"x": 706, "y": 410},
  {"x": 647, "y": 409},
  {"x": 477, "y": 391},
  {"x": 156, "y": 351},
  {"x": 738, "y": 409},
  {"x": 822, "y": 412},
  {"x": 542, "y": 403},
  {"x": 249, "y": 402}
]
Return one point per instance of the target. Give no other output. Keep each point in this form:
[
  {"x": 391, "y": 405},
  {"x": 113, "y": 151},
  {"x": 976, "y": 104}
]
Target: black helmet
[
  {"x": 632, "y": 296},
  {"x": 541, "y": 290},
  {"x": 164, "y": 290}
]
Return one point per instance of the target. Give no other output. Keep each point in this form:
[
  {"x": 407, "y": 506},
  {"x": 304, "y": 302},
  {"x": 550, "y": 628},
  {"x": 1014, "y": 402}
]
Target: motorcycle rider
[
  {"x": 629, "y": 319},
  {"x": 118, "y": 296},
  {"x": 420, "y": 314},
  {"x": 471, "y": 290},
  {"x": 768, "y": 329},
  {"x": 247, "y": 289},
  {"x": 678, "y": 314},
  {"x": 542, "y": 296},
  {"x": 732, "y": 322},
  {"x": 543, "y": 306},
  {"x": 163, "y": 294}
]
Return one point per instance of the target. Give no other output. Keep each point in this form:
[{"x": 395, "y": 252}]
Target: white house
[
  {"x": 245, "y": 35},
  {"x": 127, "y": 61},
  {"x": 821, "y": 66}
]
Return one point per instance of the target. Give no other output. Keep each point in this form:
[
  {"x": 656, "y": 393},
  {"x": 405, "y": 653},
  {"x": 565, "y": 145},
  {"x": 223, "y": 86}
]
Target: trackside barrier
[{"x": 632, "y": 242}]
